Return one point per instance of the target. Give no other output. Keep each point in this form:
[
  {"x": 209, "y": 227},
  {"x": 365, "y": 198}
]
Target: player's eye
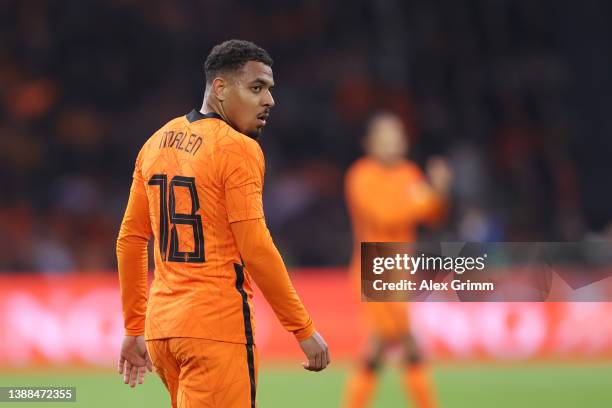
[{"x": 256, "y": 88}]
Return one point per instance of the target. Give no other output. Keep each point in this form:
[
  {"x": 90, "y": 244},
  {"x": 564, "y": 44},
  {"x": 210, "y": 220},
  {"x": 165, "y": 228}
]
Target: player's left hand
[
  {"x": 134, "y": 360},
  {"x": 316, "y": 350}
]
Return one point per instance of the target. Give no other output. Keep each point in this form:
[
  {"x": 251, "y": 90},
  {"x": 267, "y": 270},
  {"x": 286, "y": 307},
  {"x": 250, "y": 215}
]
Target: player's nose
[{"x": 268, "y": 100}]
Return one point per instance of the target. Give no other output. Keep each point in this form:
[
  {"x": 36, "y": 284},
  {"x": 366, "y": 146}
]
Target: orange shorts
[
  {"x": 388, "y": 320},
  {"x": 202, "y": 373}
]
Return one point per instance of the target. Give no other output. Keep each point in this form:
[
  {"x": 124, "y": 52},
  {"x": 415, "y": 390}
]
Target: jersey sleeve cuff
[
  {"x": 306, "y": 332},
  {"x": 134, "y": 332}
]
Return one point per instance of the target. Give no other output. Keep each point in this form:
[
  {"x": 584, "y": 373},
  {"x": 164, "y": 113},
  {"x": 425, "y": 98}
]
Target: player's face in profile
[
  {"x": 386, "y": 141},
  {"x": 250, "y": 99}
]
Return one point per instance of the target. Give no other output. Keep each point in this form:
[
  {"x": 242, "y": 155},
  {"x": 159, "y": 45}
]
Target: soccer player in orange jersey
[
  {"x": 197, "y": 188},
  {"x": 388, "y": 197}
]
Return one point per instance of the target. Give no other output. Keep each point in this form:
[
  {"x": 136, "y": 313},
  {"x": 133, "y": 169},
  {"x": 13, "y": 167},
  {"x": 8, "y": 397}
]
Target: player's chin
[{"x": 255, "y": 133}]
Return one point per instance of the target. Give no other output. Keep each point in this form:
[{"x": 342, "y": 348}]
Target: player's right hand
[
  {"x": 134, "y": 360},
  {"x": 440, "y": 174},
  {"x": 316, "y": 351}
]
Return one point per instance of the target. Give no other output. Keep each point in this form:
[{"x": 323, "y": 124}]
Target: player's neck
[
  {"x": 208, "y": 107},
  {"x": 386, "y": 163},
  {"x": 211, "y": 106}
]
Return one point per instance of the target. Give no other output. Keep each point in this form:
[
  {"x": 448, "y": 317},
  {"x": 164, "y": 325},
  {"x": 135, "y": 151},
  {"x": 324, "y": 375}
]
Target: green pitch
[{"x": 537, "y": 385}]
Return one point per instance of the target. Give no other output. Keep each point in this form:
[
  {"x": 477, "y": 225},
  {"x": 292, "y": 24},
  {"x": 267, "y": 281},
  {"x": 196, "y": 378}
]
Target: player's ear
[{"x": 219, "y": 88}]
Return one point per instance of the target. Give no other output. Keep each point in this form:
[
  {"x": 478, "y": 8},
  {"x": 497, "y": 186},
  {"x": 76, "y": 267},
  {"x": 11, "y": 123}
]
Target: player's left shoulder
[{"x": 241, "y": 147}]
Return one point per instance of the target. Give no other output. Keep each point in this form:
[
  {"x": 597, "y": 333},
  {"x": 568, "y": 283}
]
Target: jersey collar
[{"x": 196, "y": 115}]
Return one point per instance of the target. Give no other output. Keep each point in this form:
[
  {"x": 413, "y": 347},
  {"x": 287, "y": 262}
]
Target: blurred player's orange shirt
[
  {"x": 387, "y": 203},
  {"x": 200, "y": 175}
]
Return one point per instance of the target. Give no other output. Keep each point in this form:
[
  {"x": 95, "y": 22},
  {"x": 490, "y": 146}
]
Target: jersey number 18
[{"x": 168, "y": 215}]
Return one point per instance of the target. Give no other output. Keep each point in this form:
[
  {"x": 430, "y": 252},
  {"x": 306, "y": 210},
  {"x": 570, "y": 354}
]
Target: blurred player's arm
[{"x": 432, "y": 197}]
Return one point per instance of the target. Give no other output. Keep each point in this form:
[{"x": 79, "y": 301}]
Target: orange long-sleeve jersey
[
  {"x": 197, "y": 188},
  {"x": 387, "y": 203}
]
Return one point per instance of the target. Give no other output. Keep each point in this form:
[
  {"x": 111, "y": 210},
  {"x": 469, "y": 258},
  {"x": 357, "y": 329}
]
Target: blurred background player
[
  {"x": 197, "y": 187},
  {"x": 388, "y": 197}
]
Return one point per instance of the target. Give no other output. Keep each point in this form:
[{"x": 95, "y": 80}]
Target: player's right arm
[
  {"x": 132, "y": 260},
  {"x": 243, "y": 182},
  {"x": 132, "y": 255}
]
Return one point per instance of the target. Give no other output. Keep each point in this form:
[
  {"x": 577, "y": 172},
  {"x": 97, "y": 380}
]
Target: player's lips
[{"x": 261, "y": 119}]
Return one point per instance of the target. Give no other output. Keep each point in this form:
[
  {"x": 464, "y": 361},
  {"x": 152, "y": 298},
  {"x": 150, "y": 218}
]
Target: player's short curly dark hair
[{"x": 231, "y": 55}]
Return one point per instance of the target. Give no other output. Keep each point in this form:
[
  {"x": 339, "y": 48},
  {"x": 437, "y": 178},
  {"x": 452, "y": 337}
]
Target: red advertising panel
[{"x": 76, "y": 319}]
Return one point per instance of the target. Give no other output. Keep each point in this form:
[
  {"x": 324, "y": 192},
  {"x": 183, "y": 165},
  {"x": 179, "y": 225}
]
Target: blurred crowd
[{"x": 515, "y": 94}]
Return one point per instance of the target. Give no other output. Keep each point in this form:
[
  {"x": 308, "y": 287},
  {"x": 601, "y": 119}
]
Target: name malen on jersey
[{"x": 180, "y": 141}]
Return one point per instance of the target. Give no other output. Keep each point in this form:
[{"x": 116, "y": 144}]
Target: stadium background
[{"x": 516, "y": 94}]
